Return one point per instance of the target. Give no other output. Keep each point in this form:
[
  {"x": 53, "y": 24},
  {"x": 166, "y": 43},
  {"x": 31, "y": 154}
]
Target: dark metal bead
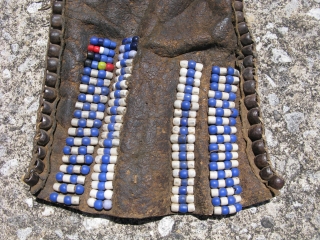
[
  {"x": 238, "y": 6},
  {"x": 251, "y": 101},
  {"x": 32, "y": 178},
  {"x": 249, "y": 87},
  {"x": 248, "y": 73},
  {"x": 46, "y": 122},
  {"x": 248, "y": 61},
  {"x": 38, "y": 166},
  {"x": 42, "y": 138},
  {"x": 54, "y": 50},
  {"x": 57, "y": 7},
  {"x": 247, "y": 50},
  {"x": 253, "y": 116},
  {"x": 56, "y": 21},
  {"x": 41, "y": 152},
  {"x": 266, "y": 173},
  {"x": 276, "y": 182},
  {"x": 240, "y": 16},
  {"x": 246, "y": 39},
  {"x": 242, "y": 28},
  {"x": 52, "y": 64},
  {"x": 261, "y": 161},
  {"x": 49, "y": 94},
  {"x": 258, "y": 147},
  {"x": 88, "y": 63},
  {"x": 51, "y": 79},
  {"x": 46, "y": 108},
  {"x": 255, "y": 132},
  {"x": 55, "y": 36}
]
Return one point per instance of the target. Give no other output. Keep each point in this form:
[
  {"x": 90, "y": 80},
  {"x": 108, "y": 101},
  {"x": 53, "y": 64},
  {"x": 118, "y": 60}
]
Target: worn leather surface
[{"x": 169, "y": 31}]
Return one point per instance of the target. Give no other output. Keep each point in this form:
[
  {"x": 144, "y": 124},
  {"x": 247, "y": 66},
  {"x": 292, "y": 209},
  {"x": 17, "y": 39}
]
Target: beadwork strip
[
  {"x": 83, "y": 136},
  {"x": 222, "y": 114},
  {"x": 105, "y": 162},
  {"x": 183, "y": 137}
]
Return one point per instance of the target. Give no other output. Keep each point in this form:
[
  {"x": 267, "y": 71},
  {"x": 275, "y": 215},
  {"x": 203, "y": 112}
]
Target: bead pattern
[
  {"x": 222, "y": 114},
  {"x": 183, "y": 137},
  {"x": 105, "y": 162},
  {"x": 83, "y": 136}
]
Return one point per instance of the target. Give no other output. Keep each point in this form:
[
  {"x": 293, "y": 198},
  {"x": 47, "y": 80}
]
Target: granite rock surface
[{"x": 287, "y": 37}]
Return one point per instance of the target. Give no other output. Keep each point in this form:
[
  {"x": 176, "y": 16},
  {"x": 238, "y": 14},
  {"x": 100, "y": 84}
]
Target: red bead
[
  {"x": 109, "y": 67},
  {"x": 96, "y": 49},
  {"x": 90, "y": 48}
]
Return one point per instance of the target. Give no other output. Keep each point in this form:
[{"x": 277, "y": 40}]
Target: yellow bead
[{"x": 102, "y": 65}]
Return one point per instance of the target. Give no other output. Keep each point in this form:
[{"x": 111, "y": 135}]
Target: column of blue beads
[
  {"x": 183, "y": 136},
  {"x": 83, "y": 136},
  {"x": 222, "y": 114},
  {"x": 102, "y": 184}
]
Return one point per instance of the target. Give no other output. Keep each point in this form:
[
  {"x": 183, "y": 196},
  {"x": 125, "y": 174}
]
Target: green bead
[{"x": 102, "y": 66}]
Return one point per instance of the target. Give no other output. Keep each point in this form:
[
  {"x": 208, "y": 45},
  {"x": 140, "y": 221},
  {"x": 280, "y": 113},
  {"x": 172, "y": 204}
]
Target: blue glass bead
[
  {"x": 215, "y": 201},
  {"x": 183, "y": 130},
  {"x": 90, "y": 89},
  {"x": 117, "y": 94},
  {"x": 183, "y": 174},
  {"x": 111, "y": 53},
  {"x": 213, "y": 166},
  {"x": 105, "y": 159},
  {"x": 228, "y": 147},
  {"x": 82, "y": 122},
  {"x": 220, "y": 139},
  {"x": 185, "y": 105},
  {"x": 227, "y": 129},
  {"x": 229, "y": 182},
  {"x": 63, "y": 188},
  {"x": 189, "y": 81},
  {"x": 70, "y": 141},
  {"x": 214, "y": 184},
  {"x": 214, "y": 78},
  {"x": 237, "y": 189},
  {"x": 229, "y": 79},
  {"x": 101, "y": 186},
  {"x": 87, "y": 71},
  {"x": 185, "y": 114},
  {"x": 82, "y": 150},
  {"x": 100, "y": 82},
  {"x": 214, "y": 157},
  {"x": 135, "y": 39},
  {"x": 182, "y": 156},
  {"x": 109, "y": 60},
  {"x": 59, "y": 176},
  {"x": 238, "y": 207},
  {"x": 183, "y": 165},
  {"x": 85, "y": 79},
  {"x": 92, "y": 115},
  {"x": 118, "y": 86},
  {"x": 79, "y": 189},
  {"x": 100, "y": 41},
  {"x": 232, "y": 96},
  {"x": 188, "y": 89},
  {"x": 86, "y": 106},
  {"x": 104, "y": 167},
  {"x": 73, "y": 179},
  {"x": 85, "y": 170},
  {"x": 230, "y": 71},
  {"x": 77, "y": 113},
  {"x": 182, "y": 147},
  {"x": 227, "y": 88},
  {"x": 94, "y": 132},
  {"x": 98, "y": 205},
  {"x": 223, "y": 192},
  {"x": 67, "y": 150},
  {"x": 104, "y": 91},
  {"x": 225, "y": 104},
  {"x": 53, "y": 197},
  {"x": 232, "y": 121},
  {"x": 88, "y": 159},
  {"x": 182, "y": 139},
  {"x": 224, "y": 210},
  {"x": 219, "y": 121},
  {"x": 107, "y": 204},
  {"x": 134, "y": 46},
  {"x": 113, "y": 45},
  {"x": 94, "y": 64},
  {"x": 183, "y": 208},
  {"x": 231, "y": 200},
  {"x": 73, "y": 159},
  {"x": 106, "y": 51},
  {"x": 184, "y": 122},
  {"x": 235, "y": 172},
  {"x": 94, "y": 40},
  {"x": 234, "y": 113},
  {"x": 126, "y": 55},
  {"x": 96, "y": 98},
  {"x": 184, "y": 182},
  {"x": 101, "y": 74},
  {"x": 111, "y": 127},
  {"x": 233, "y": 138},
  {"x": 228, "y": 156},
  {"x": 227, "y": 164},
  {"x": 218, "y": 95},
  {"x": 182, "y": 199},
  {"x": 106, "y": 43},
  {"x": 129, "y": 40},
  {"x": 190, "y": 73},
  {"x": 219, "y": 112},
  {"x": 102, "y": 177},
  {"x": 124, "y": 41},
  {"x": 182, "y": 190},
  {"x": 213, "y": 130},
  {"x": 107, "y": 143},
  {"x": 69, "y": 169},
  {"x": 100, "y": 195},
  {"x": 214, "y": 86},
  {"x": 82, "y": 97},
  {"x": 216, "y": 70},
  {"x": 191, "y": 64},
  {"x": 221, "y": 174},
  {"x": 212, "y": 102},
  {"x": 97, "y": 123},
  {"x": 187, "y": 97},
  {"x": 97, "y": 57}
]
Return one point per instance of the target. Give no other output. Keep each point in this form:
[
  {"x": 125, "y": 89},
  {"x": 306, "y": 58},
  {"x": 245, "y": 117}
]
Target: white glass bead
[
  {"x": 176, "y": 147},
  {"x": 234, "y": 163},
  {"x": 230, "y": 191},
  {"x": 60, "y": 198},
  {"x": 91, "y": 202},
  {"x": 93, "y": 193},
  {"x": 217, "y": 210},
  {"x": 122, "y": 102},
  {"x": 108, "y": 194},
  {"x": 113, "y": 151},
  {"x": 178, "y": 113},
  {"x": 177, "y": 181},
  {"x": 123, "y": 94},
  {"x": 174, "y": 207},
  {"x": 232, "y": 209},
  {"x": 191, "y": 207},
  {"x": 237, "y": 197},
  {"x": 120, "y": 110},
  {"x": 113, "y": 159},
  {"x": 223, "y": 201}
]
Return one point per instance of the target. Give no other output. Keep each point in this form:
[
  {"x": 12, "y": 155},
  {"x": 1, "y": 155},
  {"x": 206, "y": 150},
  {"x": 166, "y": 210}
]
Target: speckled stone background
[{"x": 288, "y": 43}]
